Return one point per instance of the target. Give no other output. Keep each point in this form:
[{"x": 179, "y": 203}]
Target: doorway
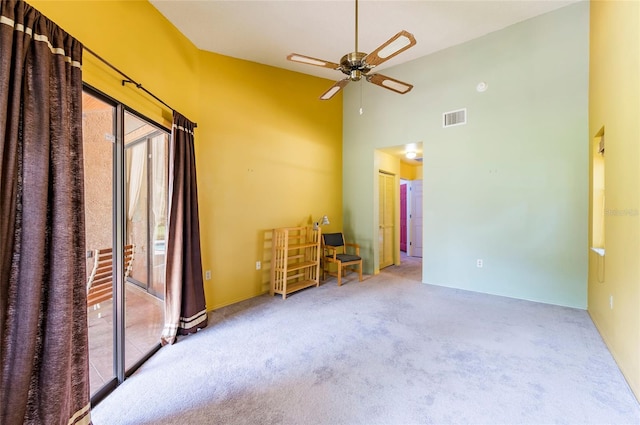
[
  {"x": 399, "y": 205},
  {"x": 410, "y": 219}
]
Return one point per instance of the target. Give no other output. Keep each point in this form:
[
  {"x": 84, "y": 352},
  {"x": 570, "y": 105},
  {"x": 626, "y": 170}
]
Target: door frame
[
  {"x": 411, "y": 221},
  {"x": 404, "y": 209}
]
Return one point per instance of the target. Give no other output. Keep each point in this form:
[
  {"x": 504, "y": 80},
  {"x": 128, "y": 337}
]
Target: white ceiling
[{"x": 266, "y": 31}]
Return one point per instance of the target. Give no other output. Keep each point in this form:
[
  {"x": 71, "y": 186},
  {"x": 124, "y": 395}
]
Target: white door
[{"x": 415, "y": 226}]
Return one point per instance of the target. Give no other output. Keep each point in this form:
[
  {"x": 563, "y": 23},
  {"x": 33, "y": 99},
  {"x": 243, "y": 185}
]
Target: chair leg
[
  {"x": 339, "y": 274},
  {"x": 360, "y": 271}
]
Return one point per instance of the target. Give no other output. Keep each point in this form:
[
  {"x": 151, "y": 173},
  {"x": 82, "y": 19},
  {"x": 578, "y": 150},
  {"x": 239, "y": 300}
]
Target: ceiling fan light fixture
[{"x": 356, "y": 65}]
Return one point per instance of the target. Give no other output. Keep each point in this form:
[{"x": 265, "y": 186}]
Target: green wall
[{"x": 510, "y": 187}]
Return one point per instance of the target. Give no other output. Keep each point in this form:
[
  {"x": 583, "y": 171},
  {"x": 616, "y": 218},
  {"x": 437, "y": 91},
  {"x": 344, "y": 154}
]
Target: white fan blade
[
  {"x": 389, "y": 83},
  {"x": 294, "y": 57},
  {"x": 396, "y": 45},
  {"x": 334, "y": 89}
]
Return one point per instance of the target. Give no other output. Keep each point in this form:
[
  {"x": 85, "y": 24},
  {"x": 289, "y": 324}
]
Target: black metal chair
[{"x": 334, "y": 251}]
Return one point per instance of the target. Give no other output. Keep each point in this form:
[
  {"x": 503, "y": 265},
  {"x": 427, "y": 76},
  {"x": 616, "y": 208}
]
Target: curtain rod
[{"x": 129, "y": 79}]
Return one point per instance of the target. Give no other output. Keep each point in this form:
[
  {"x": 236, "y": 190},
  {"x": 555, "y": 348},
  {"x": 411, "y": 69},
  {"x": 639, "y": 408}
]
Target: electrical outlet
[
  {"x": 207, "y": 275},
  {"x": 258, "y": 265},
  {"x": 611, "y": 301},
  {"x": 479, "y": 263}
]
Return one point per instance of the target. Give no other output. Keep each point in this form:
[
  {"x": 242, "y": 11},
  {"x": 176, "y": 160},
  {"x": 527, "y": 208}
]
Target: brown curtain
[
  {"x": 43, "y": 314},
  {"x": 185, "y": 309}
]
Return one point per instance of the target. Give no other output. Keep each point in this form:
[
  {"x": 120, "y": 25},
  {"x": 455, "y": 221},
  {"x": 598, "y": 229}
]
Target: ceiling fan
[{"x": 358, "y": 64}]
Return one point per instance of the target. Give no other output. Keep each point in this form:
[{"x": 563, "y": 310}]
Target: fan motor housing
[{"x": 354, "y": 66}]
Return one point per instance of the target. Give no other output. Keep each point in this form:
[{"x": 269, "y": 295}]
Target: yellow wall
[
  {"x": 614, "y": 102},
  {"x": 268, "y": 153},
  {"x": 137, "y": 39},
  {"x": 270, "y": 156},
  {"x": 410, "y": 171}
]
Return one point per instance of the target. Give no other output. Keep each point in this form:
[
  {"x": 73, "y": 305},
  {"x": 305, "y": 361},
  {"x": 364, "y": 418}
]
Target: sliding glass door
[{"x": 126, "y": 191}]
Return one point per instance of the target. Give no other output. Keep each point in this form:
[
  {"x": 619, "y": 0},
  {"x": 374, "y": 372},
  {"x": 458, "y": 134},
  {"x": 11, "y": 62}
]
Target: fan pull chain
[{"x": 361, "y": 85}]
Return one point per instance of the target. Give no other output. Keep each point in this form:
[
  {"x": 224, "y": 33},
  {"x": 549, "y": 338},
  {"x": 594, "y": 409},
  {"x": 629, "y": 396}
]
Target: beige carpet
[{"x": 389, "y": 350}]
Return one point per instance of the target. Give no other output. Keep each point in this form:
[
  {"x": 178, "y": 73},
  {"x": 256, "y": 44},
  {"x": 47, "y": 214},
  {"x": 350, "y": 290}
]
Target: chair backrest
[
  {"x": 100, "y": 282},
  {"x": 333, "y": 239}
]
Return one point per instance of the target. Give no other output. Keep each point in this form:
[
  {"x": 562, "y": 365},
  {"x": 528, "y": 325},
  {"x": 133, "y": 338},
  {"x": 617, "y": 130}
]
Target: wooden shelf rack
[{"x": 295, "y": 260}]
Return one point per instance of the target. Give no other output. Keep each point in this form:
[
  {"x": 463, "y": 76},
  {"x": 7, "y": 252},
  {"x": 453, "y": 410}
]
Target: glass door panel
[
  {"x": 146, "y": 187},
  {"x": 98, "y": 126}
]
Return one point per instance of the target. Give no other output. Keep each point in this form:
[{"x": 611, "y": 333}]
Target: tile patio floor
[{"x": 144, "y": 322}]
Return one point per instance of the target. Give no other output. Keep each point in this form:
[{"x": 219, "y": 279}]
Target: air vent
[{"x": 453, "y": 118}]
